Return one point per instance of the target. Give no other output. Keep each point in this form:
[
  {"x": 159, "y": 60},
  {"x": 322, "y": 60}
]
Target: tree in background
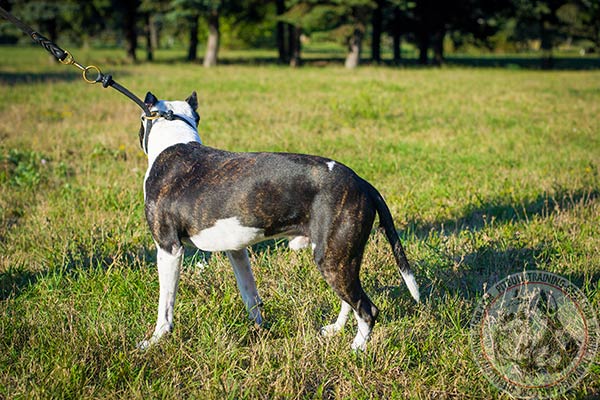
[
  {"x": 189, "y": 11},
  {"x": 345, "y": 21},
  {"x": 377, "y": 24},
  {"x": 127, "y": 11},
  {"x": 581, "y": 19},
  {"x": 290, "y": 18},
  {"x": 296, "y": 17},
  {"x": 78, "y": 22},
  {"x": 280, "y": 32},
  {"x": 538, "y": 19},
  {"x": 353, "y": 25},
  {"x": 398, "y": 20},
  {"x": 90, "y": 19},
  {"x": 428, "y": 24},
  {"x": 46, "y": 16},
  {"x": 151, "y": 10},
  {"x": 213, "y": 9},
  {"x": 588, "y": 23},
  {"x": 432, "y": 20}
]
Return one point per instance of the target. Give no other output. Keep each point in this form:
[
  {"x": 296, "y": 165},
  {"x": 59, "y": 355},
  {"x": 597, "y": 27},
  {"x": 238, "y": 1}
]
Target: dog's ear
[
  {"x": 150, "y": 100},
  {"x": 193, "y": 101}
]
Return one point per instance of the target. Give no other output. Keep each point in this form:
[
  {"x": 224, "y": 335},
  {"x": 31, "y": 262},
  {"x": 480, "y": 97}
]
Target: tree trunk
[
  {"x": 154, "y": 41},
  {"x": 376, "y": 36},
  {"x": 129, "y": 21},
  {"x": 354, "y": 47},
  {"x": 438, "y": 47},
  {"x": 212, "y": 46},
  {"x": 396, "y": 44},
  {"x": 193, "y": 49},
  {"x": 294, "y": 45},
  {"x": 280, "y": 33},
  {"x": 423, "y": 39},
  {"x": 149, "y": 48},
  {"x": 546, "y": 44}
]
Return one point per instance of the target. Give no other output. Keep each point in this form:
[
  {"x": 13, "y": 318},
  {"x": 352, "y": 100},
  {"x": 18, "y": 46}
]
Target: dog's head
[{"x": 186, "y": 110}]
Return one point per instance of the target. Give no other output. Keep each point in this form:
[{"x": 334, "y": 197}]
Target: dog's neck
[{"x": 165, "y": 134}]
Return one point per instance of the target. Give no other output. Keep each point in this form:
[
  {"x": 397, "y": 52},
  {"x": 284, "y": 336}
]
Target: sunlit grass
[{"x": 487, "y": 172}]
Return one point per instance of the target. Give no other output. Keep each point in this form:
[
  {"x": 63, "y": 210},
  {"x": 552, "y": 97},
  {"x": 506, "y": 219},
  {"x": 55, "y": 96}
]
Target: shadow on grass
[
  {"x": 461, "y": 279},
  {"x": 507, "y": 62},
  {"x": 529, "y": 63},
  {"x": 27, "y": 78},
  {"x": 499, "y": 211},
  {"x": 468, "y": 275},
  {"x": 78, "y": 259},
  {"x": 14, "y": 282}
]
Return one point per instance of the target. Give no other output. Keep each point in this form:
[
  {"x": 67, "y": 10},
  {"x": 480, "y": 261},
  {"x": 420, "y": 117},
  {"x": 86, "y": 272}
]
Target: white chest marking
[
  {"x": 227, "y": 234},
  {"x": 165, "y": 134},
  {"x": 330, "y": 165}
]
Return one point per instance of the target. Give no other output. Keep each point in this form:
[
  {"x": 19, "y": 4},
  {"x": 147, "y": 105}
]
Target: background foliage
[{"x": 433, "y": 27}]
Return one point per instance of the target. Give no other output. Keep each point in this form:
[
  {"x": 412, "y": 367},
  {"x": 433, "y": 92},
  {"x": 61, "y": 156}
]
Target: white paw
[
  {"x": 330, "y": 330},
  {"x": 144, "y": 345},
  {"x": 359, "y": 345}
]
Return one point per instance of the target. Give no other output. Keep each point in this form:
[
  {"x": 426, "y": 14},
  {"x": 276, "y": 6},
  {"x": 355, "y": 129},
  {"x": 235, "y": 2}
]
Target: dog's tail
[{"x": 387, "y": 223}]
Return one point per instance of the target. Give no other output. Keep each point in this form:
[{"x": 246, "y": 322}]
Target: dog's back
[{"x": 191, "y": 187}]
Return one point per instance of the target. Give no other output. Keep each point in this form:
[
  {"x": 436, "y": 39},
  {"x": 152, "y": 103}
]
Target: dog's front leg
[
  {"x": 169, "y": 265},
  {"x": 246, "y": 283}
]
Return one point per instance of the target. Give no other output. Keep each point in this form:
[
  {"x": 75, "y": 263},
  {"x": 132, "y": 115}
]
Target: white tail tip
[{"x": 411, "y": 283}]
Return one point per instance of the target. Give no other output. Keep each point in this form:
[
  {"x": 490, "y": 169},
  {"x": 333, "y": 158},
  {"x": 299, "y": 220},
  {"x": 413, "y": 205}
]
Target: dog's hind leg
[
  {"x": 343, "y": 279},
  {"x": 340, "y": 267},
  {"x": 169, "y": 265},
  {"x": 340, "y": 240},
  {"x": 246, "y": 283}
]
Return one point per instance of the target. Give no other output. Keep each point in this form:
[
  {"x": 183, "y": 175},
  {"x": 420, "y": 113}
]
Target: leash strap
[{"x": 87, "y": 72}]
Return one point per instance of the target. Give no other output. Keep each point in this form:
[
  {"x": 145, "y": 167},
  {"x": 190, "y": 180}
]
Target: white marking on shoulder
[
  {"x": 227, "y": 234},
  {"x": 330, "y": 165},
  {"x": 299, "y": 242}
]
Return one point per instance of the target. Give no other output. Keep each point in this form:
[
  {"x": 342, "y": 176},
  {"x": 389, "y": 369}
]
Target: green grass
[{"x": 487, "y": 172}]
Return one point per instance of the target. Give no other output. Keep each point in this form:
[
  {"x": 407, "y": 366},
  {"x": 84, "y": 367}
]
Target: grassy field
[{"x": 486, "y": 171}]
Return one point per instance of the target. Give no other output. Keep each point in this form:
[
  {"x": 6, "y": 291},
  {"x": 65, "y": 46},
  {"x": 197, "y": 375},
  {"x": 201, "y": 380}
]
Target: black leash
[{"x": 87, "y": 72}]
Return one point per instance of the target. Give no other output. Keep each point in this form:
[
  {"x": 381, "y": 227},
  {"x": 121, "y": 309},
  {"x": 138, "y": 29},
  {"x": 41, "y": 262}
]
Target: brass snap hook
[
  {"x": 91, "y": 73},
  {"x": 68, "y": 60}
]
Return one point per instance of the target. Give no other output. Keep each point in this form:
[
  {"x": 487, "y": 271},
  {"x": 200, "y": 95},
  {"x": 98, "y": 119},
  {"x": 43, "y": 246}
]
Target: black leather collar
[{"x": 169, "y": 115}]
